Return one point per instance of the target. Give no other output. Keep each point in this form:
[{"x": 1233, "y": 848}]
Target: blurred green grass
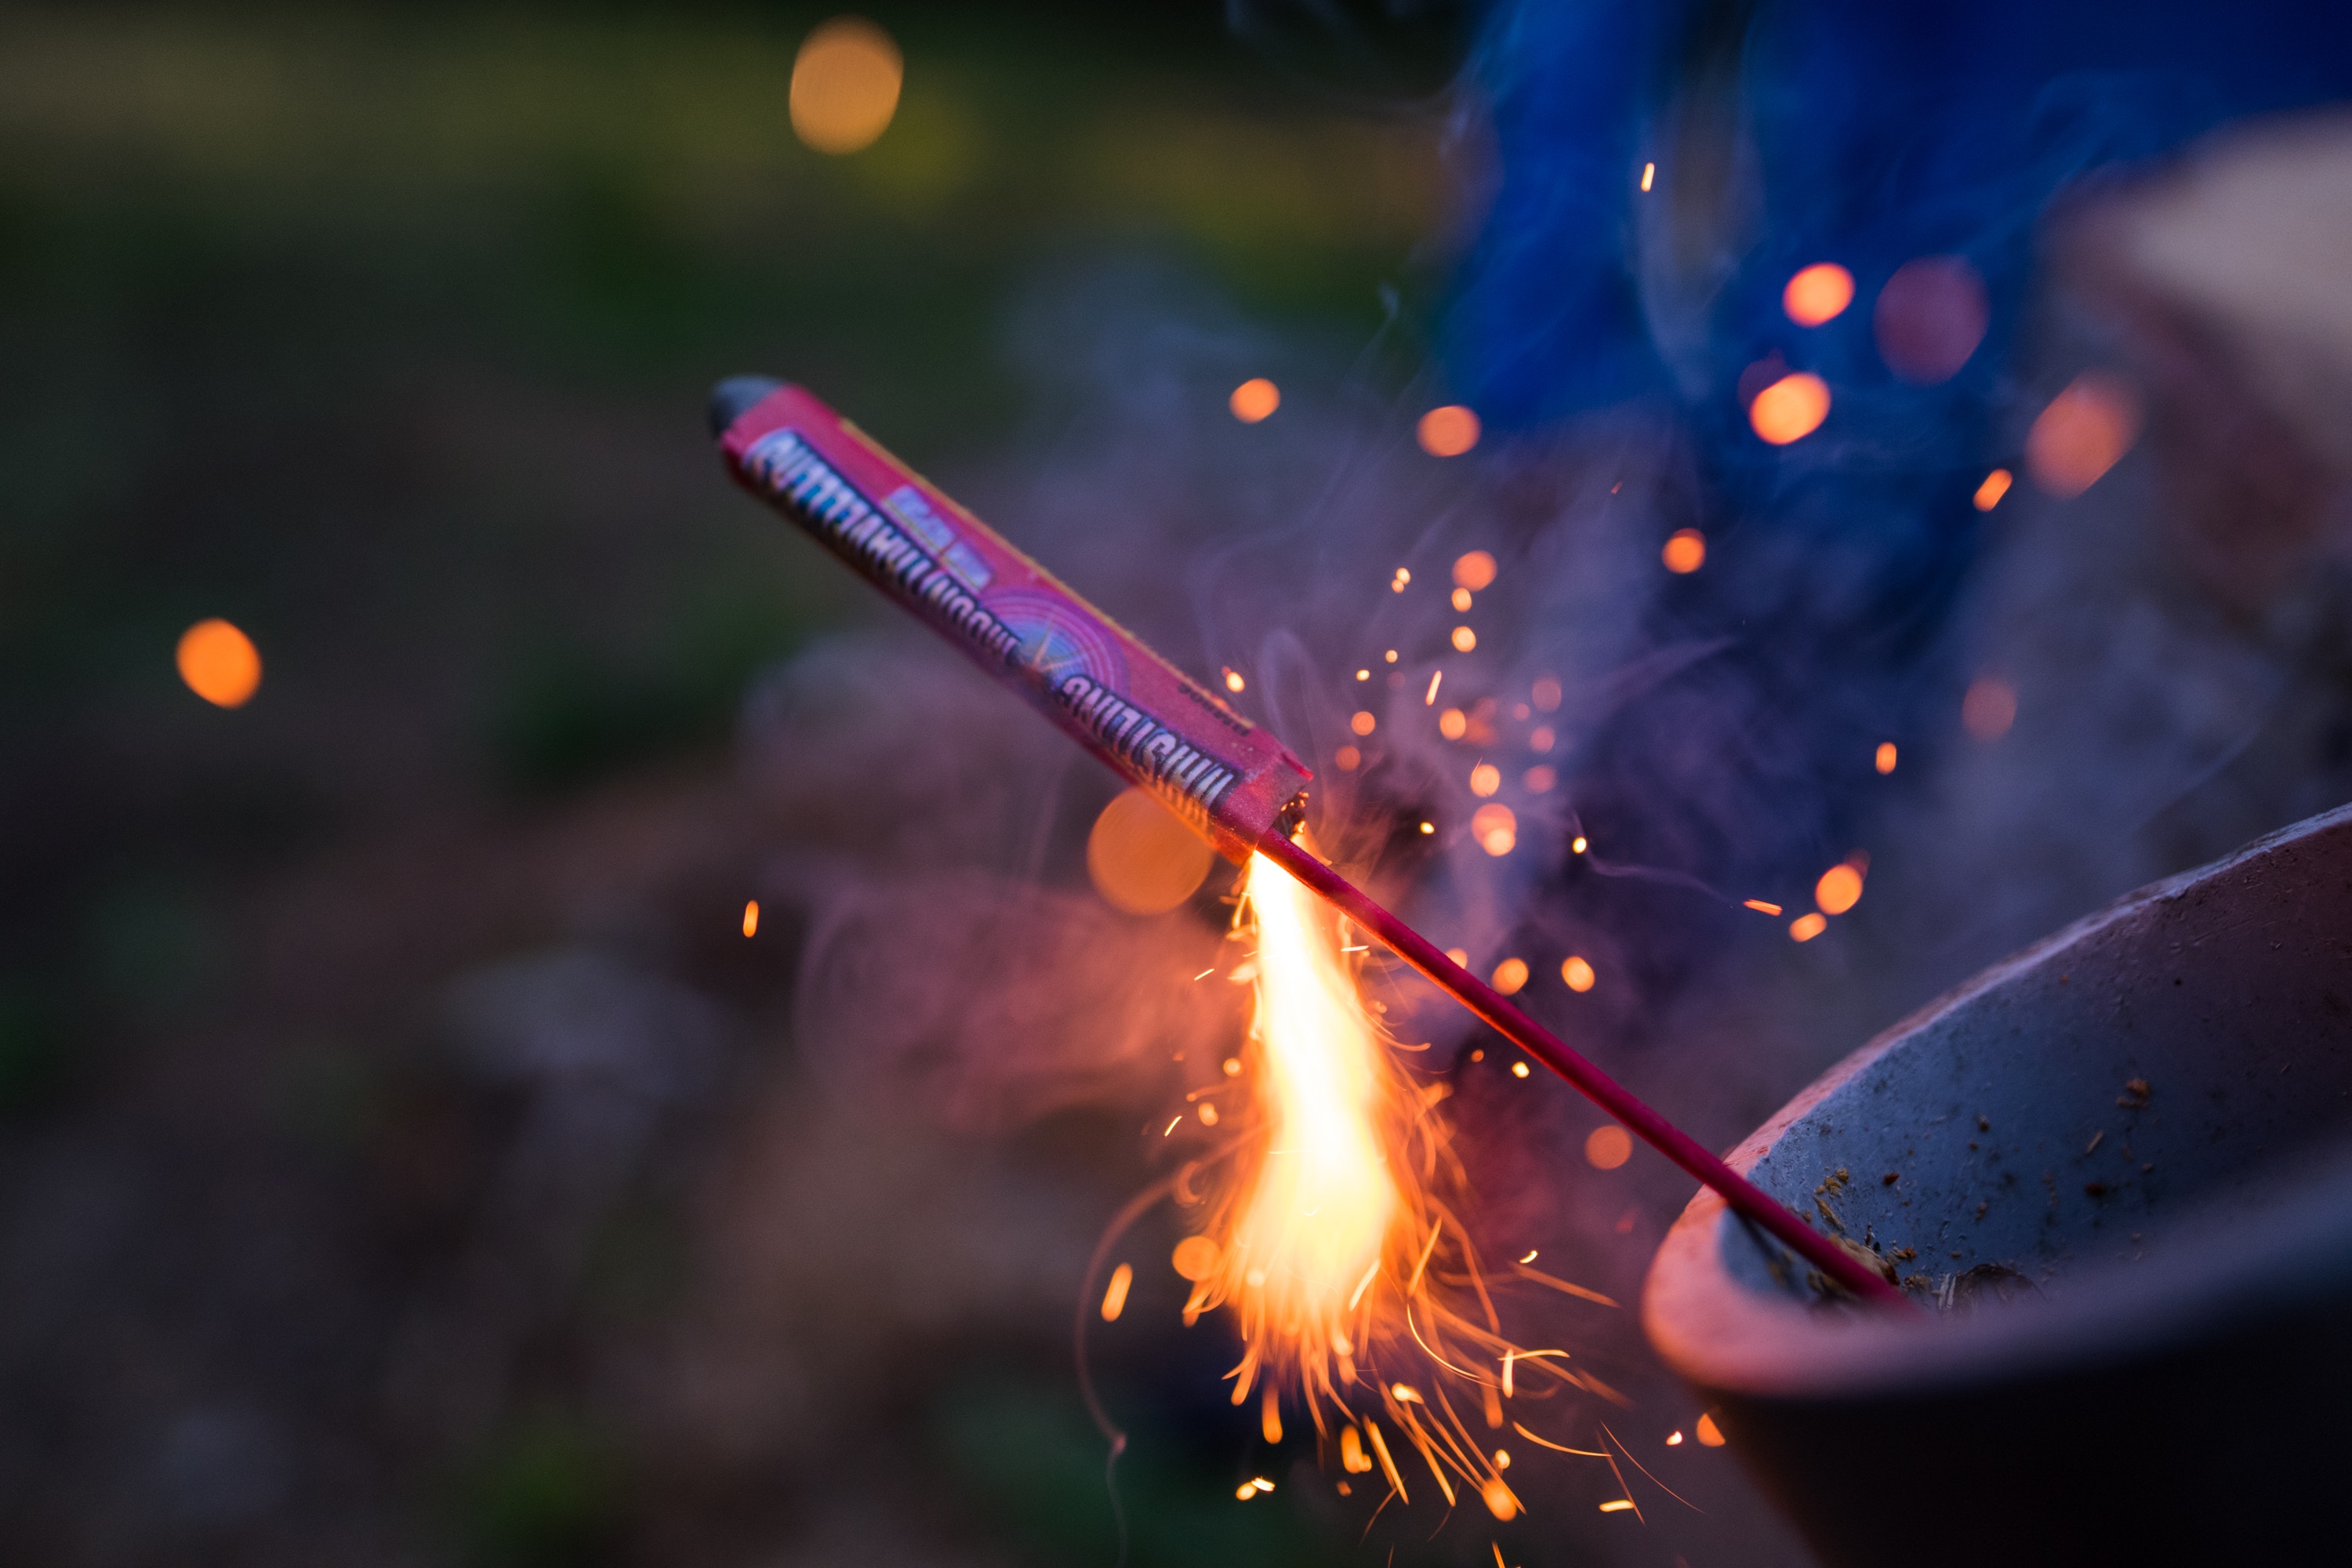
[{"x": 384, "y": 331}]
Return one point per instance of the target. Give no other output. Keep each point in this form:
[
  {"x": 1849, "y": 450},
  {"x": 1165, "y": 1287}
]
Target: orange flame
[
  {"x": 1328, "y": 1246},
  {"x": 1324, "y": 1204}
]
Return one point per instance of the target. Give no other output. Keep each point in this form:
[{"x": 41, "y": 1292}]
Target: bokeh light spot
[
  {"x": 1448, "y": 432},
  {"x": 1363, "y": 724},
  {"x": 219, "y": 663},
  {"x": 1486, "y": 779},
  {"x": 2082, "y": 433},
  {"x": 1818, "y": 294},
  {"x": 1453, "y": 723},
  {"x": 1495, "y": 828},
  {"x": 1349, "y": 758},
  {"x": 1996, "y": 485},
  {"x": 1930, "y": 318},
  {"x": 1885, "y": 760},
  {"x": 845, "y": 83},
  {"x": 1990, "y": 708},
  {"x": 1577, "y": 974},
  {"x": 1790, "y": 409},
  {"x": 1196, "y": 1257},
  {"x": 1804, "y": 927},
  {"x": 1465, "y": 639},
  {"x": 1474, "y": 571},
  {"x": 1510, "y": 975},
  {"x": 1547, "y": 693},
  {"x": 1606, "y": 1148},
  {"x": 1142, "y": 859}
]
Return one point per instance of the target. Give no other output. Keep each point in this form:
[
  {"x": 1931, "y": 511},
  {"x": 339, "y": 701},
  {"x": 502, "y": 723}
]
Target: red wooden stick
[{"x": 1744, "y": 1196}]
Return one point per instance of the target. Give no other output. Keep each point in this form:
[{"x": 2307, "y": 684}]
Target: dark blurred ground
[{"x": 404, "y": 1158}]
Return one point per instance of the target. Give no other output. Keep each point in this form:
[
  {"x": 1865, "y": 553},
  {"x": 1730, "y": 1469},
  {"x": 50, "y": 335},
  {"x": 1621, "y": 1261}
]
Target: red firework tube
[{"x": 1154, "y": 725}]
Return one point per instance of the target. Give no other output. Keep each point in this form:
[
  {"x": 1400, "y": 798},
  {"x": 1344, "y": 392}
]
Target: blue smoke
[{"x": 1848, "y": 131}]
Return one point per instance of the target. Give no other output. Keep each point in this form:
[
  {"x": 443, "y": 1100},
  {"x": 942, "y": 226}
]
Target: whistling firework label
[{"x": 1132, "y": 708}]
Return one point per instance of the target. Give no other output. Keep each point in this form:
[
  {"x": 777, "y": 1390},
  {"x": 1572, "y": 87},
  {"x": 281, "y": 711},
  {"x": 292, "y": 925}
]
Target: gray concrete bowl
[{"x": 2117, "y": 1172}]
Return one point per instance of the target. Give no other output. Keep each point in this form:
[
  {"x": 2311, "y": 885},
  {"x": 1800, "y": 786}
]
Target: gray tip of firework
[{"x": 732, "y": 397}]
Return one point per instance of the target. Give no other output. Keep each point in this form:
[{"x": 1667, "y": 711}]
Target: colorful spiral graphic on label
[{"x": 1058, "y": 640}]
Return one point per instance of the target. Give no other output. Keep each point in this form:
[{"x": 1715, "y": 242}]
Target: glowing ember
[
  {"x": 1839, "y": 890},
  {"x": 1709, "y": 1434},
  {"x": 1577, "y": 972},
  {"x": 1673, "y": 1440},
  {"x": 1649, "y": 173},
  {"x": 1233, "y": 681},
  {"x": 1254, "y": 399},
  {"x": 1608, "y": 1147},
  {"x": 1996, "y": 485},
  {"x": 1114, "y": 1300},
  {"x": 2082, "y": 433},
  {"x": 1760, "y": 906},
  {"x": 844, "y": 86},
  {"x": 1790, "y": 409},
  {"x": 1818, "y": 294},
  {"x": 1684, "y": 552},
  {"x": 1448, "y": 432},
  {"x": 1990, "y": 708},
  {"x": 1885, "y": 760},
  {"x": 219, "y": 663},
  {"x": 1576, "y": 846},
  {"x": 1401, "y": 582},
  {"x": 1620, "y": 1506},
  {"x": 752, "y": 917}
]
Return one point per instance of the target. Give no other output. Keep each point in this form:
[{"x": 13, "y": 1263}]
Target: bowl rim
[{"x": 1718, "y": 1333}]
